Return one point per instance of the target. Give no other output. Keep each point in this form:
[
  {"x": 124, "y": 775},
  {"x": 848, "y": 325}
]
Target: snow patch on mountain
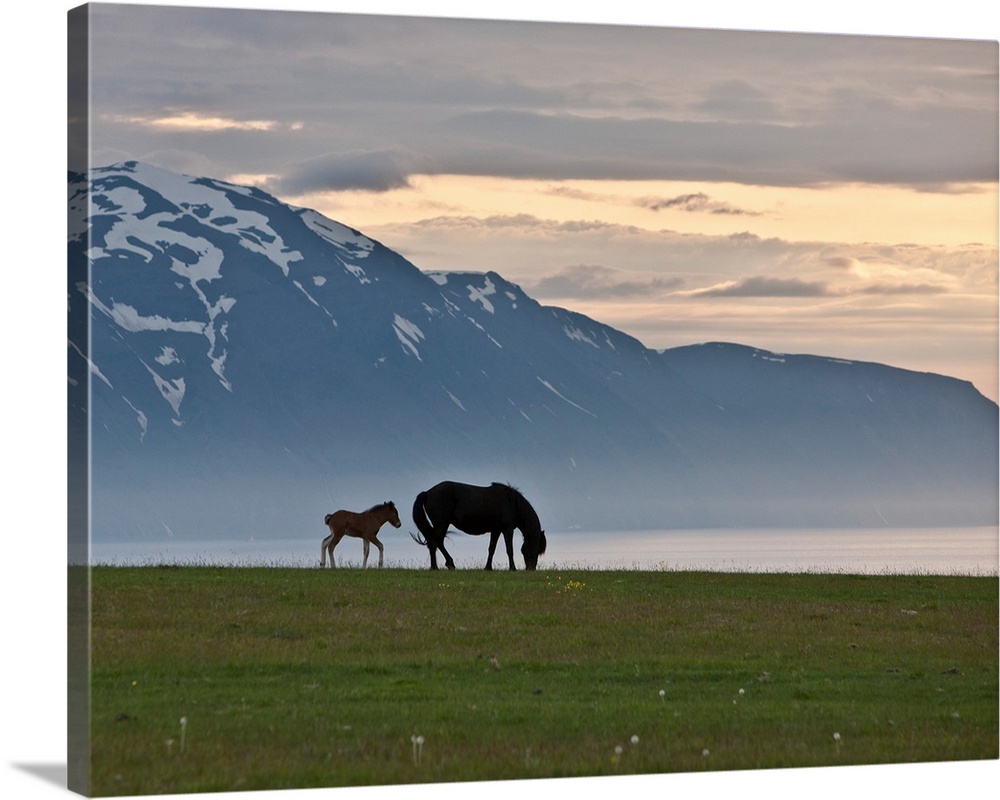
[
  {"x": 357, "y": 272},
  {"x": 140, "y": 418},
  {"x": 314, "y": 301},
  {"x": 408, "y": 334},
  {"x": 92, "y": 366},
  {"x": 172, "y": 390},
  {"x": 167, "y": 356},
  {"x": 348, "y": 239},
  {"x": 454, "y": 399},
  {"x": 127, "y": 317},
  {"x": 577, "y": 335},
  {"x": 479, "y": 325},
  {"x": 200, "y": 199},
  {"x": 480, "y": 295},
  {"x": 562, "y": 397}
]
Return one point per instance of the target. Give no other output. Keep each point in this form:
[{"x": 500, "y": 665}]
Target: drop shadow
[{"x": 50, "y": 773}]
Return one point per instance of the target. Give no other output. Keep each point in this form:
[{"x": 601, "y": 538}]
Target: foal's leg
[
  {"x": 378, "y": 544},
  {"x": 508, "y": 540},
  {"x": 322, "y": 549},
  {"x": 337, "y": 536},
  {"x": 364, "y": 563}
]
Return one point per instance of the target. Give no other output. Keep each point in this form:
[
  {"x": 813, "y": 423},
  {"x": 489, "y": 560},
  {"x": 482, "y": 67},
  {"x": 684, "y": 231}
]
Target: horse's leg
[
  {"x": 440, "y": 531},
  {"x": 494, "y": 537},
  {"x": 432, "y": 549},
  {"x": 508, "y": 540},
  {"x": 381, "y": 552},
  {"x": 364, "y": 563},
  {"x": 322, "y": 549},
  {"x": 448, "y": 562}
]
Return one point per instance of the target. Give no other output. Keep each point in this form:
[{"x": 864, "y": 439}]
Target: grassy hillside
[{"x": 222, "y": 679}]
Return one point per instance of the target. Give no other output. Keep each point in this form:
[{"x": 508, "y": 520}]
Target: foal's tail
[
  {"x": 322, "y": 550},
  {"x": 420, "y": 520},
  {"x": 326, "y": 541}
]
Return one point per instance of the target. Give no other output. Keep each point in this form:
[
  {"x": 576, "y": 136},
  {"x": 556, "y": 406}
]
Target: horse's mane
[
  {"x": 522, "y": 502},
  {"x": 378, "y": 506}
]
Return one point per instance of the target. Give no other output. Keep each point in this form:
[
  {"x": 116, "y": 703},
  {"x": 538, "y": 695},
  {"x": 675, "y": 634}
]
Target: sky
[{"x": 814, "y": 193}]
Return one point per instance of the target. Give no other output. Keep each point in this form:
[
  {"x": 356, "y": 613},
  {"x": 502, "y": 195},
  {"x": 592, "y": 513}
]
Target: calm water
[{"x": 966, "y": 551}]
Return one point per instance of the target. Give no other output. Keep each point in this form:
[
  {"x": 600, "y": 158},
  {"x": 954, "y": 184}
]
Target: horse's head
[
  {"x": 393, "y": 515},
  {"x": 532, "y": 548},
  {"x": 531, "y": 527}
]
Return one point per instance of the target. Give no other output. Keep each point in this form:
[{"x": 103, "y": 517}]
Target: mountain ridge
[{"x": 249, "y": 357}]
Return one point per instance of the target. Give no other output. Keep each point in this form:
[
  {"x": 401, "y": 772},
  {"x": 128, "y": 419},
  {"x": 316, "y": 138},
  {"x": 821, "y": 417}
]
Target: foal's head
[{"x": 391, "y": 515}]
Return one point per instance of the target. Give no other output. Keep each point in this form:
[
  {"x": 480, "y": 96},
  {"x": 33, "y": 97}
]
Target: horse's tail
[{"x": 420, "y": 520}]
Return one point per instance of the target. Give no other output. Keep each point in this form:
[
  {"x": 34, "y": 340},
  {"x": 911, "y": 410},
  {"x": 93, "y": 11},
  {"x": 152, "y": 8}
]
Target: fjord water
[{"x": 933, "y": 551}]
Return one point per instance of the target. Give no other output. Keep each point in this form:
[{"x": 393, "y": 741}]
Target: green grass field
[{"x": 225, "y": 679}]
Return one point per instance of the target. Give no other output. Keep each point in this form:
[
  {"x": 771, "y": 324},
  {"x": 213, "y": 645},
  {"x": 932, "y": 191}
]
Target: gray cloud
[
  {"x": 371, "y": 171},
  {"x": 520, "y": 225},
  {"x": 766, "y": 287},
  {"x": 739, "y": 100},
  {"x": 761, "y": 286},
  {"x": 870, "y": 145},
  {"x": 839, "y": 262},
  {"x": 902, "y": 289},
  {"x": 698, "y": 202},
  {"x": 597, "y": 282},
  {"x": 478, "y": 97}
]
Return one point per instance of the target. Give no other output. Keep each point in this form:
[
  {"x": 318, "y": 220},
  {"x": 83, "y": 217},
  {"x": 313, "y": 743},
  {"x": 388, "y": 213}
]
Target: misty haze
[{"x": 254, "y": 366}]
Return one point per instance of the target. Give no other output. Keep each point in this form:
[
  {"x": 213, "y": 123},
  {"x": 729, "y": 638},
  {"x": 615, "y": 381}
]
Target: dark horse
[{"x": 495, "y": 509}]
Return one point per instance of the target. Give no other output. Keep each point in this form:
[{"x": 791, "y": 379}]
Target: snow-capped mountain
[{"x": 250, "y": 366}]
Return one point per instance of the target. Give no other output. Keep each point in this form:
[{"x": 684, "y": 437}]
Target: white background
[{"x": 34, "y": 386}]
